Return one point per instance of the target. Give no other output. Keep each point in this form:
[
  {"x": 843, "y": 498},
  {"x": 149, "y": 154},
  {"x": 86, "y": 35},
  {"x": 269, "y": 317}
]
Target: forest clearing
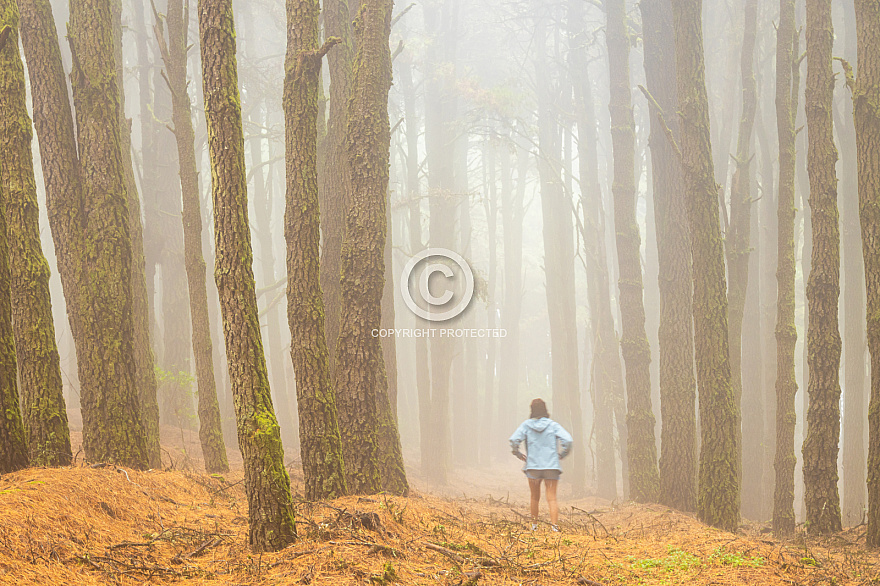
[{"x": 107, "y": 525}]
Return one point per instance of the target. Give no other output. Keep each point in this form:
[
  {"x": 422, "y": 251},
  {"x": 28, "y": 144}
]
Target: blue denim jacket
[{"x": 546, "y": 443}]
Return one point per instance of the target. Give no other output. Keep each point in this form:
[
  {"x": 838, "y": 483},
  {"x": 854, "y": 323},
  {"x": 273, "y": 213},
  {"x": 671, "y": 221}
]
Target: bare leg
[
  {"x": 535, "y": 489},
  {"x": 551, "y": 500}
]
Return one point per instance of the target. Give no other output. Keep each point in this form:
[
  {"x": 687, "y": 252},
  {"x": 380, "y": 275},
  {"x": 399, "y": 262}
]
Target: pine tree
[
  {"x": 111, "y": 407},
  {"x": 334, "y": 172},
  {"x": 320, "y": 443},
  {"x": 360, "y": 370},
  {"x": 823, "y": 286},
  {"x": 787, "y": 84},
  {"x": 678, "y": 439},
  {"x": 737, "y": 239},
  {"x": 42, "y": 402},
  {"x": 718, "y": 479},
  {"x": 270, "y": 511},
  {"x": 13, "y": 443},
  {"x": 866, "y": 96},
  {"x": 174, "y": 56},
  {"x": 644, "y": 477}
]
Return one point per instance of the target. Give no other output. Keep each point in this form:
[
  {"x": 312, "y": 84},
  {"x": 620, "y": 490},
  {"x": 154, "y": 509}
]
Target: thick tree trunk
[
  {"x": 270, "y": 511},
  {"x": 678, "y": 455},
  {"x": 174, "y": 55},
  {"x": 113, "y": 428},
  {"x": 644, "y": 477},
  {"x": 866, "y": 96},
  {"x": 719, "y": 488},
  {"x": 373, "y": 463},
  {"x": 13, "y": 443},
  {"x": 823, "y": 286},
  {"x": 39, "y": 372},
  {"x": 787, "y": 85},
  {"x": 320, "y": 443}
]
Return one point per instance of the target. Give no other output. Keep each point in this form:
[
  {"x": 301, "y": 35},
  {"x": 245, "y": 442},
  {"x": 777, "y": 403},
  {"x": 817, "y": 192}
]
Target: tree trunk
[
  {"x": 787, "y": 85},
  {"x": 854, "y": 344},
  {"x": 719, "y": 489},
  {"x": 334, "y": 169},
  {"x": 13, "y": 443},
  {"x": 678, "y": 455},
  {"x": 644, "y": 477},
  {"x": 320, "y": 443},
  {"x": 174, "y": 56},
  {"x": 270, "y": 511},
  {"x": 823, "y": 287},
  {"x": 440, "y": 144},
  {"x": 559, "y": 253},
  {"x": 606, "y": 375},
  {"x": 738, "y": 236},
  {"x": 39, "y": 372},
  {"x": 360, "y": 370},
  {"x": 113, "y": 420},
  {"x": 423, "y": 377},
  {"x": 866, "y": 96}
]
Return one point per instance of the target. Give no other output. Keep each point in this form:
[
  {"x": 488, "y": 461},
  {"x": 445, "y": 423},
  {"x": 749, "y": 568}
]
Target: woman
[{"x": 546, "y": 443}]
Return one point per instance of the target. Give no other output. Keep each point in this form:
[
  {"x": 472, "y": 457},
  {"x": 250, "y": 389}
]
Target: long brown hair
[{"x": 538, "y": 409}]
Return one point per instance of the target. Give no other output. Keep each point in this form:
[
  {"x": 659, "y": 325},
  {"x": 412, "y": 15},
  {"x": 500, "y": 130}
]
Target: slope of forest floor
[{"x": 108, "y": 525}]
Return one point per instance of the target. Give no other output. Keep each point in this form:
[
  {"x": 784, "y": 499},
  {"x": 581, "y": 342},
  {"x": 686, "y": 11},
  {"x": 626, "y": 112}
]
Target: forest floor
[{"x": 101, "y": 524}]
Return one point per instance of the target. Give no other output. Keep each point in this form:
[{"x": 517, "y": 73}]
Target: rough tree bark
[
  {"x": 39, "y": 372},
  {"x": 823, "y": 286},
  {"x": 13, "y": 443},
  {"x": 270, "y": 511},
  {"x": 334, "y": 166},
  {"x": 678, "y": 446},
  {"x": 644, "y": 477},
  {"x": 174, "y": 56},
  {"x": 320, "y": 443},
  {"x": 787, "y": 84},
  {"x": 719, "y": 488},
  {"x": 866, "y": 96},
  {"x": 360, "y": 370},
  {"x": 113, "y": 427}
]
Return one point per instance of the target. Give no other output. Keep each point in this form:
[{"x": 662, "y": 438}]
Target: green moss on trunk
[
  {"x": 359, "y": 372},
  {"x": 320, "y": 441},
  {"x": 270, "y": 510},
  {"x": 718, "y": 478},
  {"x": 866, "y": 111},
  {"x": 823, "y": 286},
  {"x": 39, "y": 371},
  {"x": 787, "y": 85}
]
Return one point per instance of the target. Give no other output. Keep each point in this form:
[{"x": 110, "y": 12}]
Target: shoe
[{"x": 554, "y": 528}]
